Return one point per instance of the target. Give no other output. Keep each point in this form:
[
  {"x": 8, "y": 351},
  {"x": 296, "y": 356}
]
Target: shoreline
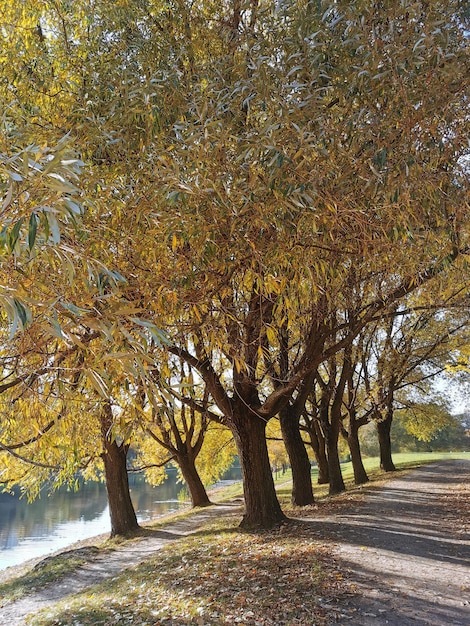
[{"x": 13, "y": 571}]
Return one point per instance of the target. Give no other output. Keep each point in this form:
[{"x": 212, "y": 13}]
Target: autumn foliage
[{"x": 214, "y": 213}]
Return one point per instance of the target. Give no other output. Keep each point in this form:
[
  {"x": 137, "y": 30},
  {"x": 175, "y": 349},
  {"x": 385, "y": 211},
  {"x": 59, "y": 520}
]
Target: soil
[{"x": 401, "y": 553}]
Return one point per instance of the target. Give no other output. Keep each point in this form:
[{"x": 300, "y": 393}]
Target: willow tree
[
  {"x": 177, "y": 426},
  {"x": 55, "y": 274},
  {"x": 405, "y": 355},
  {"x": 319, "y": 137},
  {"x": 246, "y": 156},
  {"x": 290, "y": 144}
]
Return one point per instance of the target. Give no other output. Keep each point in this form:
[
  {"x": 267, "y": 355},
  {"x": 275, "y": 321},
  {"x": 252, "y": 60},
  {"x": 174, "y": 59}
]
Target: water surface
[{"x": 51, "y": 523}]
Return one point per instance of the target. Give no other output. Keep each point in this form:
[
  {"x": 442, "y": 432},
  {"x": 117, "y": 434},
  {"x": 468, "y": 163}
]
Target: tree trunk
[
  {"x": 121, "y": 509},
  {"x": 319, "y": 450},
  {"x": 193, "y": 481},
  {"x": 262, "y": 508},
  {"x": 302, "y": 492},
  {"x": 385, "y": 443},
  {"x": 360, "y": 474},
  {"x": 334, "y": 467}
]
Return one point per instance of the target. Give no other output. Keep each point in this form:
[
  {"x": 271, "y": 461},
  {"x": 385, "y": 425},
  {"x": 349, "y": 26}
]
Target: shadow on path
[
  {"x": 405, "y": 551},
  {"x": 404, "y": 554}
]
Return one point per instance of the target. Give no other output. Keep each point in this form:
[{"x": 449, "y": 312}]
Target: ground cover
[
  {"x": 220, "y": 575},
  {"x": 46, "y": 571}
]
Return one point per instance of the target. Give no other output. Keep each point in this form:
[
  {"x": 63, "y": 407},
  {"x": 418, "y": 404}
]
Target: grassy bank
[{"x": 217, "y": 576}]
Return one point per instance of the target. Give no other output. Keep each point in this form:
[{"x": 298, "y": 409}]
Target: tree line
[{"x": 218, "y": 216}]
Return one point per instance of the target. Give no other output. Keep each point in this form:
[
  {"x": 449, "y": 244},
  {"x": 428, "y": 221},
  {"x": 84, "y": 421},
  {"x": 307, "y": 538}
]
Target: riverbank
[
  {"x": 223, "y": 491},
  {"x": 234, "y": 490},
  {"x": 332, "y": 566}
]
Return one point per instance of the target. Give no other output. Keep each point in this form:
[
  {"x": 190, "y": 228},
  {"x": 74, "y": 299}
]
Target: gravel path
[{"x": 405, "y": 552}]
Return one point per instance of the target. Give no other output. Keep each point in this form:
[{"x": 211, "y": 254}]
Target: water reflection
[{"x": 50, "y": 523}]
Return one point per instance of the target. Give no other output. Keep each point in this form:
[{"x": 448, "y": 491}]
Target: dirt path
[
  {"x": 405, "y": 552},
  {"x": 111, "y": 564}
]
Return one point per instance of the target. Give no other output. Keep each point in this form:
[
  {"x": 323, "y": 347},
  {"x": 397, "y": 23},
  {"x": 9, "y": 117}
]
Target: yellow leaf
[
  {"x": 97, "y": 382},
  {"x": 271, "y": 334}
]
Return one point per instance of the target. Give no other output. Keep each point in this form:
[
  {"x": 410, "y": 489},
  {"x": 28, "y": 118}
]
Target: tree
[
  {"x": 46, "y": 238},
  {"x": 407, "y": 352},
  {"x": 185, "y": 431},
  {"x": 450, "y": 434},
  {"x": 355, "y": 420},
  {"x": 243, "y": 162},
  {"x": 333, "y": 384},
  {"x": 311, "y": 425},
  {"x": 424, "y": 421},
  {"x": 289, "y": 418},
  {"x": 247, "y": 166},
  {"x": 114, "y": 455},
  {"x": 59, "y": 420}
]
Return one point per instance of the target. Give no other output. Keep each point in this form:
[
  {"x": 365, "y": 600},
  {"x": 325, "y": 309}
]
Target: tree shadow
[
  {"x": 416, "y": 606},
  {"x": 403, "y": 552},
  {"x": 261, "y": 583}
]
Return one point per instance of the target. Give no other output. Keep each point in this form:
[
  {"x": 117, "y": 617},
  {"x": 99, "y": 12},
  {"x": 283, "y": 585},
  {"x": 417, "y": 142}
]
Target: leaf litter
[{"x": 218, "y": 576}]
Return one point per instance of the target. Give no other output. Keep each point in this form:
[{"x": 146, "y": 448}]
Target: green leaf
[
  {"x": 32, "y": 231},
  {"x": 58, "y": 183},
  {"x": 158, "y": 335},
  {"x": 55, "y": 327},
  {"x": 56, "y": 159},
  {"x": 75, "y": 309},
  {"x": 14, "y": 234},
  {"x": 380, "y": 158},
  {"x": 21, "y": 311},
  {"x": 25, "y": 164}
]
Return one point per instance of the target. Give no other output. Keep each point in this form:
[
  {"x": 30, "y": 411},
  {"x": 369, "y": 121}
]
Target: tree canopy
[{"x": 258, "y": 183}]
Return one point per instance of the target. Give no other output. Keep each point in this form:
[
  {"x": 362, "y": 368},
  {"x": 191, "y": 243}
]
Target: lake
[{"x": 50, "y": 523}]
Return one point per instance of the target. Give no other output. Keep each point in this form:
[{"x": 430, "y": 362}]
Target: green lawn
[{"x": 404, "y": 461}]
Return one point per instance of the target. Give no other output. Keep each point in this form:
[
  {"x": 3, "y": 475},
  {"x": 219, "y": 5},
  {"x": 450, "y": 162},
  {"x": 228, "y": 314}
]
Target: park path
[{"x": 404, "y": 552}]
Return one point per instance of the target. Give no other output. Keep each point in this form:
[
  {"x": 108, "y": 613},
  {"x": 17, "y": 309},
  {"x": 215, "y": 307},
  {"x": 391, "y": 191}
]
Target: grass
[
  {"x": 404, "y": 461},
  {"x": 46, "y": 571},
  {"x": 219, "y": 575}
]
